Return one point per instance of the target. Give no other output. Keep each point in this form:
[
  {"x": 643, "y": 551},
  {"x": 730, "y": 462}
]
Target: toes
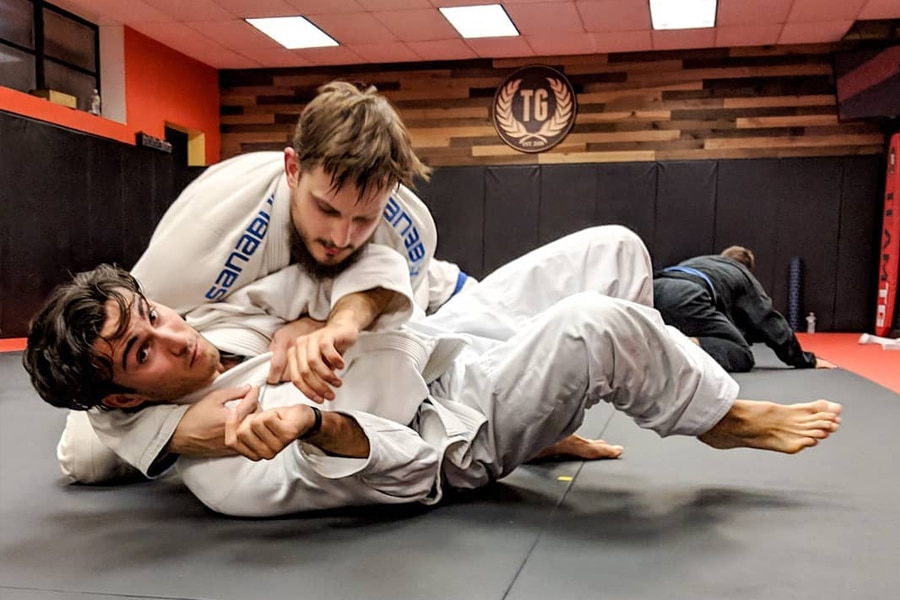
[
  {"x": 821, "y": 430},
  {"x": 808, "y": 442}
]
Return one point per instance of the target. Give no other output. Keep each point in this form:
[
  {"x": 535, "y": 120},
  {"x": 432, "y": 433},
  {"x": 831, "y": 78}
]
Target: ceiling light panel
[
  {"x": 484, "y": 21},
  {"x": 683, "y": 14},
  {"x": 293, "y": 32}
]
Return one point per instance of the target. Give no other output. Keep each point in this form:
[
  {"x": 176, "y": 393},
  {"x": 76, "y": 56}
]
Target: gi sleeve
[
  {"x": 140, "y": 437},
  {"x": 764, "y": 323},
  {"x": 445, "y": 280},
  {"x": 401, "y": 468},
  {"x": 378, "y": 267},
  {"x": 291, "y": 293}
]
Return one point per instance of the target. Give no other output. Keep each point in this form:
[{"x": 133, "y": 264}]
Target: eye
[
  {"x": 152, "y": 316},
  {"x": 327, "y": 210},
  {"x": 142, "y": 354}
]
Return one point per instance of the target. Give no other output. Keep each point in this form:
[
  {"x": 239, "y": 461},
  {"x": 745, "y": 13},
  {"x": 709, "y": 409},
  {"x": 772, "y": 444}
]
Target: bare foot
[
  {"x": 581, "y": 448},
  {"x": 778, "y": 427}
]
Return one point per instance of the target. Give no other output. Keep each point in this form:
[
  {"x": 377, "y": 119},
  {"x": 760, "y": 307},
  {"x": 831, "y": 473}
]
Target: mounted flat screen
[{"x": 868, "y": 83}]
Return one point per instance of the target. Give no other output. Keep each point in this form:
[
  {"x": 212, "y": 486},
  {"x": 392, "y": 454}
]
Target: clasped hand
[
  {"x": 263, "y": 434},
  {"x": 308, "y": 353}
]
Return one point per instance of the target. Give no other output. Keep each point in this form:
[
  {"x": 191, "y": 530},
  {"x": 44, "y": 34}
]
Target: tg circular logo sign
[{"x": 534, "y": 109}]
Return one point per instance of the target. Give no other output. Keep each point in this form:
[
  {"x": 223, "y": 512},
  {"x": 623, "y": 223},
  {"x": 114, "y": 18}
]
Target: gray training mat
[{"x": 671, "y": 519}]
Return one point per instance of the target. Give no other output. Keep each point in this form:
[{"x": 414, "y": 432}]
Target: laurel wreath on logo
[{"x": 514, "y": 128}]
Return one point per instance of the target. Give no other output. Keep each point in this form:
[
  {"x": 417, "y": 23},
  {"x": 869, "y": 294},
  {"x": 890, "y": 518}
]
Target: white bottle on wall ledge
[
  {"x": 811, "y": 323},
  {"x": 95, "y": 103}
]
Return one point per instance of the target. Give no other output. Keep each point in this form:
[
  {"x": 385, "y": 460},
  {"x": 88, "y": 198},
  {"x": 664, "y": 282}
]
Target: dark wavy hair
[{"x": 66, "y": 368}]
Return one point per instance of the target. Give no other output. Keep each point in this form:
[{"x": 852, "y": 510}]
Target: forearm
[
  {"x": 400, "y": 467},
  {"x": 184, "y": 443},
  {"x": 340, "y": 435},
  {"x": 776, "y": 333},
  {"x": 362, "y": 308}
]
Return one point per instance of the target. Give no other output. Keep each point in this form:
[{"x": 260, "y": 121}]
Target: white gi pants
[
  {"x": 609, "y": 259},
  {"x": 535, "y": 387}
]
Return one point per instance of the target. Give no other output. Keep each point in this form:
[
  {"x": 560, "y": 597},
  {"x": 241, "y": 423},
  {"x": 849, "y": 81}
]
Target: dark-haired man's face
[
  {"x": 330, "y": 225},
  {"x": 159, "y": 357}
]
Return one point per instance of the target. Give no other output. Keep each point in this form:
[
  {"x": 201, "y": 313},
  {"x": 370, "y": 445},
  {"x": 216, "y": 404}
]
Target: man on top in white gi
[{"x": 486, "y": 408}]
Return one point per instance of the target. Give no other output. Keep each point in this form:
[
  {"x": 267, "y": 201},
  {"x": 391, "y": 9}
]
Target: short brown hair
[
  {"x": 740, "y": 254},
  {"x": 65, "y": 368},
  {"x": 356, "y": 135}
]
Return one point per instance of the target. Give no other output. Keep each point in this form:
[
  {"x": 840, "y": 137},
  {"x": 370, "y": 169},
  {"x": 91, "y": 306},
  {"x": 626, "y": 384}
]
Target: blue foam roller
[{"x": 795, "y": 288}]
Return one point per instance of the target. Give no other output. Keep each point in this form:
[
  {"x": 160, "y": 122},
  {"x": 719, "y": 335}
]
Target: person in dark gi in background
[{"x": 718, "y": 302}]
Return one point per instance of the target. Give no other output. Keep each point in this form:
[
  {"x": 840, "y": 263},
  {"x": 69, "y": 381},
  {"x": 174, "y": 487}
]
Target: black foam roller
[{"x": 795, "y": 287}]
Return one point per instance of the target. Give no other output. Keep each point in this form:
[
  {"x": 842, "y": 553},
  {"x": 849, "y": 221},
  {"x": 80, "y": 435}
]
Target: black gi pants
[{"x": 689, "y": 307}]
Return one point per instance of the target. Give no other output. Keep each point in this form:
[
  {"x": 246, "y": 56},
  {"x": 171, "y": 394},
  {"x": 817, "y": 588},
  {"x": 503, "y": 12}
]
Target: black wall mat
[
  {"x": 685, "y": 211},
  {"x": 568, "y": 200},
  {"x": 806, "y": 225},
  {"x": 862, "y": 187},
  {"x": 511, "y": 213},
  {"x": 748, "y": 197},
  {"x": 456, "y": 199},
  {"x": 824, "y": 210},
  {"x": 69, "y": 201},
  {"x": 626, "y": 194}
]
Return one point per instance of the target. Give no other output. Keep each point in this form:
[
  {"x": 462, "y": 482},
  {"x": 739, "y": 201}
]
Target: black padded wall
[
  {"x": 862, "y": 179},
  {"x": 568, "y": 200},
  {"x": 456, "y": 197},
  {"x": 806, "y": 225},
  {"x": 70, "y": 201},
  {"x": 824, "y": 210},
  {"x": 511, "y": 213},
  {"x": 747, "y": 200},
  {"x": 685, "y": 211},
  {"x": 626, "y": 193}
]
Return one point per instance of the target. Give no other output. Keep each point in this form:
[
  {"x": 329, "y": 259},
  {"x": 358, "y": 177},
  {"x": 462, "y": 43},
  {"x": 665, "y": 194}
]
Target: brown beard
[{"x": 301, "y": 255}]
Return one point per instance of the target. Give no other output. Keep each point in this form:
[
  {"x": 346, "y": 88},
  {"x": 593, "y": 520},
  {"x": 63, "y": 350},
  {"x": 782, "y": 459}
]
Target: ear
[
  {"x": 124, "y": 400},
  {"x": 291, "y": 167}
]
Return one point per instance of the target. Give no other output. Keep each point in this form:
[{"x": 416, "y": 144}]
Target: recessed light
[
  {"x": 489, "y": 20},
  {"x": 683, "y": 14},
  {"x": 293, "y": 32}
]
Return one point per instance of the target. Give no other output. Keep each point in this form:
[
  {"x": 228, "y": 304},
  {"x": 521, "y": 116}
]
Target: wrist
[{"x": 316, "y": 426}]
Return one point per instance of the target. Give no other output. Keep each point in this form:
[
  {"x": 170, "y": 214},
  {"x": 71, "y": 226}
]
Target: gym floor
[{"x": 671, "y": 519}]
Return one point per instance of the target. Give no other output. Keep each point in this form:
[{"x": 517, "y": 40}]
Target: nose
[
  {"x": 342, "y": 233},
  {"x": 173, "y": 339}
]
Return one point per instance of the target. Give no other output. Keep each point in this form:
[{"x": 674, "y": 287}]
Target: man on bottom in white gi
[
  {"x": 481, "y": 410},
  {"x": 609, "y": 259}
]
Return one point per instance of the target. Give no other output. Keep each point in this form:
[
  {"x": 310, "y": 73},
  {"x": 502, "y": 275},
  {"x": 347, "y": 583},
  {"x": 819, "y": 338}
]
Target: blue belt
[{"x": 696, "y": 273}]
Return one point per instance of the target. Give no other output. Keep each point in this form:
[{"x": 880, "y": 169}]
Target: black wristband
[{"x": 316, "y": 426}]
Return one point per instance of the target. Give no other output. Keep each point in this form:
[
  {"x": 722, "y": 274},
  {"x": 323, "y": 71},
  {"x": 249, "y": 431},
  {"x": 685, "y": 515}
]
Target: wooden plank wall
[{"x": 701, "y": 104}]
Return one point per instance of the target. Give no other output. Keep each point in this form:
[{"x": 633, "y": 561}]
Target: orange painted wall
[
  {"x": 43, "y": 110},
  {"x": 162, "y": 85}
]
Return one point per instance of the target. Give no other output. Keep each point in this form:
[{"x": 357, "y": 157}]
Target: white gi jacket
[
  {"x": 243, "y": 324},
  {"x": 233, "y": 223}
]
